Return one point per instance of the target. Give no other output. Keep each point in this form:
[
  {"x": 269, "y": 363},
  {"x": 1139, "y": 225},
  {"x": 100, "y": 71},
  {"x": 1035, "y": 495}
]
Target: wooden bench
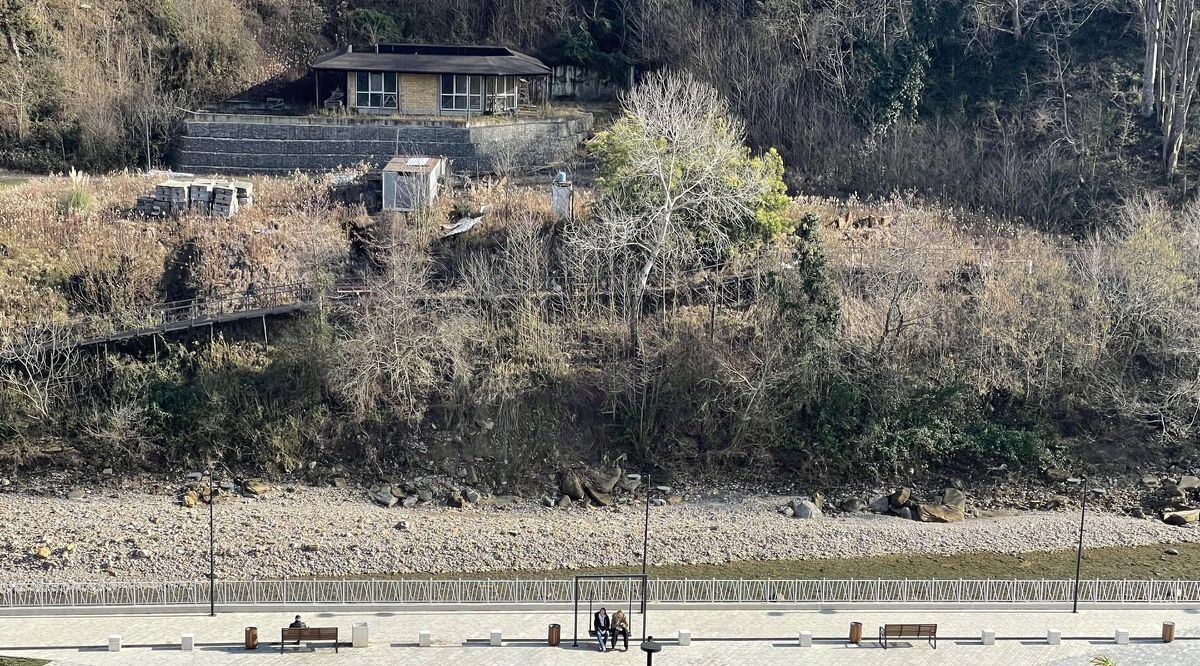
[
  {"x": 928, "y": 631},
  {"x": 289, "y": 634}
]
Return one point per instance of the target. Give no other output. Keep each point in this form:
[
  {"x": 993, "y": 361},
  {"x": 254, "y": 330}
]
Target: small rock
[
  {"x": 339, "y": 482},
  {"x": 471, "y": 495},
  {"x": 674, "y": 499},
  {"x": 1151, "y": 481},
  {"x": 398, "y": 491},
  {"x": 425, "y": 495},
  {"x": 1170, "y": 551},
  {"x": 904, "y": 512},
  {"x": 1188, "y": 482},
  {"x": 43, "y": 553},
  {"x": 819, "y": 500},
  {"x": 788, "y": 511},
  {"x": 547, "y": 502},
  {"x": 454, "y": 499},
  {"x": 107, "y": 471},
  {"x": 195, "y": 476},
  {"x": 141, "y": 554},
  {"x": 75, "y": 493},
  {"x": 409, "y": 502},
  {"x": 310, "y": 548},
  {"x": 402, "y": 526},
  {"x": 563, "y": 502}
]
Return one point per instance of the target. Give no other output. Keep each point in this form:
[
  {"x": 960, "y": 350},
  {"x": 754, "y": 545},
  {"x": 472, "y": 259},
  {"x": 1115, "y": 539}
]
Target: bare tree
[
  {"x": 39, "y": 367},
  {"x": 677, "y": 178}
]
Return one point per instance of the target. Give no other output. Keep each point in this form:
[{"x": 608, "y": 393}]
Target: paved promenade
[{"x": 746, "y": 637}]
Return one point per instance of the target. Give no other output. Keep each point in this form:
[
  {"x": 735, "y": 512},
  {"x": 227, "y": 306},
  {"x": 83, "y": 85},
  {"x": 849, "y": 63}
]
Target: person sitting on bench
[
  {"x": 601, "y": 625},
  {"x": 298, "y": 624},
  {"x": 620, "y": 627}
]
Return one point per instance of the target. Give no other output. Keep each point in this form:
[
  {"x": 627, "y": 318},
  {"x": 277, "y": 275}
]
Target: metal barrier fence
[{"x": 416, "y": 592}]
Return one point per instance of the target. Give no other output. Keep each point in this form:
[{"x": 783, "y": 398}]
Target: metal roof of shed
[{"x": 434, "y": 59}]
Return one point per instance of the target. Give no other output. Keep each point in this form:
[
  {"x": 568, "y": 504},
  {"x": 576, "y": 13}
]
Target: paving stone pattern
[{"x": 763, "y": 637}]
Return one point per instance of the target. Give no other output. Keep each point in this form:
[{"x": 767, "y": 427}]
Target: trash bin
[
  {"x": 251, "y": 638},
  {"x": 1168, "y": 632},
  {"x": 855, "y": 632},
  {"x": 554, "y": 636}
]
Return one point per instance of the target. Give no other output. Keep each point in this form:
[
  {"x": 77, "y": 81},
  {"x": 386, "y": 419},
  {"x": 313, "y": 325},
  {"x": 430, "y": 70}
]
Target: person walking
[
  {"x": 600, "y": 624},
  {"x": 620, "y": 627}
]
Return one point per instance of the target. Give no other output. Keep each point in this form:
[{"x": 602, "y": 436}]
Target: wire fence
[{"x": 516, "y": 592}]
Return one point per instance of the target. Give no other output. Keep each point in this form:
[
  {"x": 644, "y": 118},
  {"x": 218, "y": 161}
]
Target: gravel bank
[{"x": 332, "y": 532}]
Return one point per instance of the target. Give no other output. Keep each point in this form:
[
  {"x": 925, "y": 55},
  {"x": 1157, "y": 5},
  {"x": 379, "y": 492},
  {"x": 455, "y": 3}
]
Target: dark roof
[{"x": 433, "y": 59}]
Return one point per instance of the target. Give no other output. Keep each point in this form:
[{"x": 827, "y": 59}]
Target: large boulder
[
  {"x": 1057, "y": 474},
  {"x": 1188, "y": 482},
  {"x": 570, "y": 485},
  {"x": 939, "y": 513},
  {"x": 1182, "y": 517},
  {"x": 806, "y": 509},
  {"x": 384, "y": 497},
  {"x": 256, "y": 487},
  {"x": 853, "y": 505},
  {"x": 881, "y": 504},
  {"x": 455, "y": 499},
  {"x": 900, "y": 497},
  {"x": 954, "y": 497},
  {"x": 605, "y": 480},
  {"x": 597, "y": 497}
]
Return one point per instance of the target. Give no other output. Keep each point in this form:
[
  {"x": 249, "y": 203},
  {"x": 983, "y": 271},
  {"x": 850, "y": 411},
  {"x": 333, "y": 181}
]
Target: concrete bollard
[
  {"x": 806, "y": 639},
  {"x": 187, "y": 642},
  {"x": 1053, "y": 637},
  {"x": 424, "y": 638},
  {"x": 1122, "y": 637},
  {"x": 685, "y": 637},
  {"x": 496, "y": 638},
  {"x": 114, "y": 642},
  {"x": 360, "y": 635},
  {"x": 988, "y": 637}
]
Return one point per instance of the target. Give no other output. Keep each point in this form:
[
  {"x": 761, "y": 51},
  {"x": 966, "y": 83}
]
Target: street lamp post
[
  {"x": 1079, "y": 550},
  {"x": 212, "y": 551},
  {"x": 645, "y": 551}
]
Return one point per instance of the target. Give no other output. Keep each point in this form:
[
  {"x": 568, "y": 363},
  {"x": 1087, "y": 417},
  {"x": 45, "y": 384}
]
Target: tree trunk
[{"x": 1150, "y": 64}]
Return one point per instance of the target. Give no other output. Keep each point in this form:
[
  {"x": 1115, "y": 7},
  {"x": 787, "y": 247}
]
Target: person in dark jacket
[
  {"x": 600, "y": 625},
  {"x": 298, "y": 624}
]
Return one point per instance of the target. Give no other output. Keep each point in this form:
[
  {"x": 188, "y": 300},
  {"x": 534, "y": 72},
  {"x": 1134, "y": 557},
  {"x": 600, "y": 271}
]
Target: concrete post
[
  {"x": 424, "y": 638},
  {"x": 1053, "y": 637},
  {"x": 188, "y": 642},
  {"x": 496, "y": 638},
  {"x": 114, "y": 642},
  {"x": 360, "y": 635},
  {"x": 1122, "y": 637},
  {"x": 685, "y": 637},
  {"x": 806, "y": 639},
  {"x": 988, "y": 637}
]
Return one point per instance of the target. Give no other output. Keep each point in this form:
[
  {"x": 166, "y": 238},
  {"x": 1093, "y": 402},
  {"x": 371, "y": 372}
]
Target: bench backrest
[
  {"x": 310, "y": 634},
  {"x": 909, "y": 630}
]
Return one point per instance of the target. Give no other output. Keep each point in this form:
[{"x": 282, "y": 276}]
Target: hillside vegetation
[
  {"x": 988, "y": 257},
  {"x": 1050, "y": 110}
]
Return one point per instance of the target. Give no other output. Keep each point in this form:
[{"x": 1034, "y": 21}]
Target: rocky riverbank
[{"x": 304, "y": 531}]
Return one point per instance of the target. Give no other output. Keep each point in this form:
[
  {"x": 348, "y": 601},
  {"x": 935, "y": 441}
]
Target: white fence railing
[{"x": 561, "y": 591}]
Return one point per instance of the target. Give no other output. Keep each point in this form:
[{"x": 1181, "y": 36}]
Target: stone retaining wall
[{"x": 233, "y": 144}]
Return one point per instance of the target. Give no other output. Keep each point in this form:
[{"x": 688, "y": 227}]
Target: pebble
[{"x": 341, "y": 532}]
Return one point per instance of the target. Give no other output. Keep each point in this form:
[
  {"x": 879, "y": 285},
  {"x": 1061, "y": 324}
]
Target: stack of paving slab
[{"x": 200, "y": 196}]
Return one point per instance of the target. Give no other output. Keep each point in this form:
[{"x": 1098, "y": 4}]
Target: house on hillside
[{"x": 429, "y": 80}]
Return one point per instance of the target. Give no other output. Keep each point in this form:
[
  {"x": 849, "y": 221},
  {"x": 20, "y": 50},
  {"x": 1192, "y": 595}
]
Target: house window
[
  {"x": 376, "y": 90},
  {"x": 458, "y": 89},
  {"x": 502, "y": 93}
]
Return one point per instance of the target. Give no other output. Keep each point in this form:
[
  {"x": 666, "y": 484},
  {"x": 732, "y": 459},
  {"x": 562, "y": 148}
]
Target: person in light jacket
[
  {"x": 601, "y": 626},
  {"x": 620, "y": 627}
]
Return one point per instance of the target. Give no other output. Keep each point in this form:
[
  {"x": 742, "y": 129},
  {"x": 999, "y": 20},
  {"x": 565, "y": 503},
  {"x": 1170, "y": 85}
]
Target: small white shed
[{"x": 411, "y": 183}]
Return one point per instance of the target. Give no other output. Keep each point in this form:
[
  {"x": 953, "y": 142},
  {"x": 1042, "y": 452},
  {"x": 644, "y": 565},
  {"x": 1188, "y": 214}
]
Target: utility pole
[{"x": 212, "y": 556}]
